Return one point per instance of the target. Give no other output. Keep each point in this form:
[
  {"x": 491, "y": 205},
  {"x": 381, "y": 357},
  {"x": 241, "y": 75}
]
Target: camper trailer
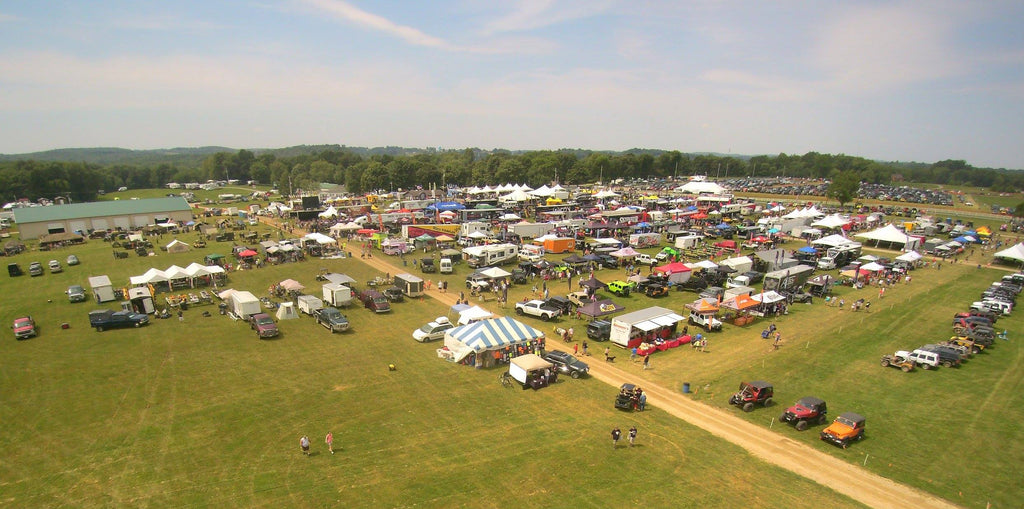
[
  {"x": 490, "y": 255},
  {"x": 839, "y": 256},
  {"x": 642, "y": 240},
  {"x": 688, "y": 241},
  {"x": 788, "y": 279},
  {"x": 531, "y": 230}
]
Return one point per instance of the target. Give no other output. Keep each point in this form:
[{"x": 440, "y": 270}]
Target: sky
[{"x": 896, "y": 81}]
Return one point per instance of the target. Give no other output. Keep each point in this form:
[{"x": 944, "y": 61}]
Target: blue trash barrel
[{"x": 686, "y": 387}]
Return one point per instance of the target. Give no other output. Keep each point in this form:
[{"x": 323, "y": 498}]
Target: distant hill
[{"x": 107, "y": 156}]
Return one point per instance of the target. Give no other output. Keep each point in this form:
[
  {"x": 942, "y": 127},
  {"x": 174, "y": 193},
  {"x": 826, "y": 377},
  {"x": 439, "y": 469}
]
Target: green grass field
[{"x": 202, "y": 413}]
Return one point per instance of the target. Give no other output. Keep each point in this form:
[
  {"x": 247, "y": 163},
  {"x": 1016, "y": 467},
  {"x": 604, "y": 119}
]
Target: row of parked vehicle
[
  {"x": 809, "y": 410},
  {"x": 973, "y": 330},
  {"x": 36, "y": 268}
]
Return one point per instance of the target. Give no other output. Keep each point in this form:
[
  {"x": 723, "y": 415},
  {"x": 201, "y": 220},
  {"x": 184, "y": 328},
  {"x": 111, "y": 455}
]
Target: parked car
[
  {"x": 24, "y": 327},
  {"x": 14, "y": 270},
  {"x": 72, "y": 260},
  {"x": 751, "y": 393},
  {"x": 645, "y": 259},
  {"x": 845, "y": 429},
  {"x": 619, "y": 287},
  {"x": 264, "y": 325},
  {"x": 656, "y": 290},
  {"x": 55, "y": 266},
  {"x": 900, "y": 360},
  {"x": 927, "y": 360},
  {"x": 35, "y": 269},
  {"x": 628, "y": 397},
  {"x": 433, "y": 331},
  {"x": 394, "y": 294},
  {"x": 76, "y": 293},
  {"x": 331, "y": 319},
  {"x": 599, "y": 330},
  {"x": 948, "y": 357},
  {"x": 566, "y": 363},
  {"x": 808, "y": 410}
]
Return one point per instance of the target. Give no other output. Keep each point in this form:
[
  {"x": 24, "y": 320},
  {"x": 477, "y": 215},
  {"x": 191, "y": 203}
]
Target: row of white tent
[{"x": 175, "y": 272}]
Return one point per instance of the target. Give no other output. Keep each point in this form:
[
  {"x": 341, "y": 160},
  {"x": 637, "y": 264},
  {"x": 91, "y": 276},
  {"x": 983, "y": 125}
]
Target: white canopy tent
[
  {"x": 829, "y": 222},
  {"x": 889, "y": 233},
  {"x": 700, "y": 188},
  {"x": 1015, "y": 253}
]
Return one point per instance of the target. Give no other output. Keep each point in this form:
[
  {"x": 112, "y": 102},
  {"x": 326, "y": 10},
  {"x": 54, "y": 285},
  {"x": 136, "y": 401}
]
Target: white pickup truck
[{"x": 536, "y": 308}]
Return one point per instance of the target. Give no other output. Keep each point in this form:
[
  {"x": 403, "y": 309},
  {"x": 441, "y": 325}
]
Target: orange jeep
[{"x": 845, "y": 429}]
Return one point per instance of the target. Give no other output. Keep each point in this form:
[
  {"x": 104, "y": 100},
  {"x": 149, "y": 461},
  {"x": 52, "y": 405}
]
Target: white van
[{"x": 445, "y": 266}]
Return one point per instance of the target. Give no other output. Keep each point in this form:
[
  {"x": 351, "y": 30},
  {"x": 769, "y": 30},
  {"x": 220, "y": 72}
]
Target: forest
[{"x": 370, "y": 170}]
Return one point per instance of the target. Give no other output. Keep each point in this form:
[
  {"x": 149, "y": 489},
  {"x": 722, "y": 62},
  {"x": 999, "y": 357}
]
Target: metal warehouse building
[{"x": 100, "y": 215}]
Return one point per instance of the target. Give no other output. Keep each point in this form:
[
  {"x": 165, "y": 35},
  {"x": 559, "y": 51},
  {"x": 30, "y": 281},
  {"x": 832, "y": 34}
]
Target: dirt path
[{"x": 774, "y": 448}]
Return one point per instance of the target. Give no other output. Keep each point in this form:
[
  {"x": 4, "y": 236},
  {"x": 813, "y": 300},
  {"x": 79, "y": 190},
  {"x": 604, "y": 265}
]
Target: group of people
[
  {"x": 304, "y": 443},
  {"x": 617, "y": 434}
]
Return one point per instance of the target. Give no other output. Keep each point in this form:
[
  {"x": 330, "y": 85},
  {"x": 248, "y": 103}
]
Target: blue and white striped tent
[{"x": 493, "y": 334}]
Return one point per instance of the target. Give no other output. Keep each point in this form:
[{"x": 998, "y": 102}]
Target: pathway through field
[{"x": 846, "y": 478}]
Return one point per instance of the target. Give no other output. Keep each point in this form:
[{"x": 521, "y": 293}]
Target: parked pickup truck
[
  {"x": 264, "y": 325},
  {"x": 536, "y": 308},
  {"x": 331, "y": 319},
  {"x": 106, "y": 319}
]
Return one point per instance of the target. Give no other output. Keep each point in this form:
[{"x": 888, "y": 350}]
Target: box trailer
[
  {"x": 642, "y": 240},
  {"x": 411, "y": 286},
  {"x": 244, "y": 304},
  {"x": 308, "y": 304},
  {"x": 531, "y": 230},
  {"x": 560, "y": 245},
  {"x": 688, "y": 241},
  {"x": 788, "y": 279},
  {"x": 102, "y": 289},
  {"x": 337, "y": 295}
]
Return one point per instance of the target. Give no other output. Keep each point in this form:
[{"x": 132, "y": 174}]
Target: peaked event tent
[
  {"x": 488, "y": 335},
  {"x": 1015, "y": 253},
  {"x": 600, "y": 308},
  {"x": 889, "y": 233}
]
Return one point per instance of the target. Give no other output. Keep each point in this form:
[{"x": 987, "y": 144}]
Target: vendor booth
[
  {"x": 142, "y": 300},
  {"x": 651, "y": 324},
  {"x": 490, "y": 342},
  {"x": 532, "y": 371}
]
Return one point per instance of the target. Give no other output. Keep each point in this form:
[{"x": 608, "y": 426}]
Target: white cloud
[
  {"x": 533, "y": 14},
  {"x": 8, "y": 17},
  {"x": 876, "y": 47},
  {"x": 353, "y": 14},
  {"x": 160, "y": 22}
]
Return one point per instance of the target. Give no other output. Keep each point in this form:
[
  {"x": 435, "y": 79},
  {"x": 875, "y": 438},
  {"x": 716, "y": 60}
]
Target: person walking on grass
[
  {"x": 632, "y": 435},
  {"x": 329, "y": 440},
  {"x": 304, "y": 444},
  {"x": 616, "y": 435},
  {"x": 647, "y": 361}
]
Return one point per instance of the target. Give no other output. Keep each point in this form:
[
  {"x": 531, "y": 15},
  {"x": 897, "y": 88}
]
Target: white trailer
[
  {"x": 337, "y": 295},
  {"x": 244, "y": 304},
  {"x": 412, "y": 286},
  {"x": 688, "y": 241},
  {"x": 494, "y": 254},
  {"x": 531, "y": 230},
  {"x": 102, "y": 289},
  {"x": 309, "y": 303}
]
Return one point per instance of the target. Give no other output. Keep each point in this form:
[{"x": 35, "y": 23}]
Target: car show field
[{"x": 203, "y": 413}]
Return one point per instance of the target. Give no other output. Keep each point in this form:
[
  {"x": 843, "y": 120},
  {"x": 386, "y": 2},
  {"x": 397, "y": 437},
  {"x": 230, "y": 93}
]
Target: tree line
[{"x": 362, "y": 173}]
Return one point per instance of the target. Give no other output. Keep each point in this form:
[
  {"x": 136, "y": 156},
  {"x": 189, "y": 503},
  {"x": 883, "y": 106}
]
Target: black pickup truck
[{"x": 106, "y": 319}]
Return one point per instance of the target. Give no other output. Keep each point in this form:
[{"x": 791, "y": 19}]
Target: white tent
[
  {"x": 833, "y": 221},
  {"x": 605, "y": 193},
  {"x": 911, "y": 256},
  {"x": 517, "y": 195},
  {"x": 890, "y": 233},
  {"x": 473, "y": 314},
  {"x": 495, "y": 272},
  {"x": 872, "y": 267},
  {"x": 541, "y": 192},
  {"x": 196, "y": 270},
  {"x": 177, "y": 246},
  {"x": 701, "y": 188},
  {"x": 1015, "y": 253},
  {"x": 330, "y": 212},
  {"x": 345, "y": 227},
  {"x": 286, "y": 311},
  {"x": 151, "y": 276},
  {"x": 319, "y": 238},
  {"x": 767, "y": 297},
  {"x": 833, "y": 241},
  {"x": 739, "y": 263},
  {"x": 478, "y": 235}
]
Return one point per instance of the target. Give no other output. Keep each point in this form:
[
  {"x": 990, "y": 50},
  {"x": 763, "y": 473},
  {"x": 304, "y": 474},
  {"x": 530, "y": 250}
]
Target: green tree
[{"x": 844, "y": 187}]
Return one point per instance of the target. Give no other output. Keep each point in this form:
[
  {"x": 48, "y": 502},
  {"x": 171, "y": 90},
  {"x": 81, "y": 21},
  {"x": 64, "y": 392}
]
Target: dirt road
[{"x": 772, "y": 447}]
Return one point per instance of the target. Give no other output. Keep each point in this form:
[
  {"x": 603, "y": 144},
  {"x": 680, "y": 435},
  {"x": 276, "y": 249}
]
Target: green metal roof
[{"x": 100, "y": 209}]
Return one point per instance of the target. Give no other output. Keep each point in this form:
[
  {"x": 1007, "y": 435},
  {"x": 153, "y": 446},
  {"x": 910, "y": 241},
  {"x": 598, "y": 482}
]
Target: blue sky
[{"x": 908, "y": 81}]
